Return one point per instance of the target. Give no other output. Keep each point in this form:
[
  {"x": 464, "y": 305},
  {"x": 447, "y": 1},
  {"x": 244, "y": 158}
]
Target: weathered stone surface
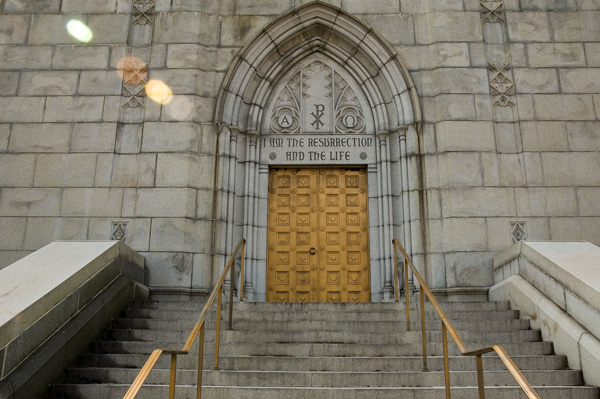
[
  {"x": 544, "y": 5},
  {"x": 97, "y": 202},
  {"x": 397, "y": 29},
  {"x": 22, "y": 6},
  {"x": 186, "y": 27},
  {"x": 588, "y": 200},
  {"x": 100, "y": 83},
  {"x": 180, "y": 170},
  {"x": 109, "y": 28},
  {"x": 449, "y": 26},
  {"x": 22, "y": 109},
  {"x": 169, "y": 269},
  {"x": 527, "y": 27},
  {"x": 165, "y": 202},
  {"x": 465, "y": 136},
  {"x": 42, "y": 231},
  {"x": 592, "y": 54},
  {"x": 50, "y": 29},
  {"x": 544, "y": 136},
  {"x": 17, "y": 170},
  {"x": 4, "y": 136},
  {"x": 93, "y": 137},
  {"x": 263, "y": 7},
  {"x": 580, "y": 80},
  {"x": 40, "y": 137},
  {"x": 27, "y": 58},
  {"x": 12, "y": 232},
  {"x": 97, "y": 6},
  {"x": 536, "y": 80},
  {"x": 13, "y": 29},
  {"x": 468, "y": 163},
  {"x": 546, "y": 55},
  {"x": 575, "y": 27},
  {"x": 461, "y": 235},
  {"x": 169, "y": 137},
  {"x": 74, "y": 109},
  {"x": 568, "y": 169},
  {"x": 30, "y": 202},
  {"x": 9, "y": 81},
  {"x": 478, "y": 202},
  {"x": 65, "y": 170},
  {"x": 464, "y": 269},
  {"x": 583, "y": 136},
  {"x": 564, "y": 107},
  {"x": 48, "y": 83},
  {"x": 238, "y": 30},
  {"x": 81, "y": 57}
]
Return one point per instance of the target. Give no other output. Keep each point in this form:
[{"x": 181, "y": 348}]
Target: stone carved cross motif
[
  {"x": 492, "y": 11},
  {"x": 143, "y": 12},
  {"x": 317, "y": 99},
  {"x": 133, "y": 96},
  {"x": 501, "y": 83}
]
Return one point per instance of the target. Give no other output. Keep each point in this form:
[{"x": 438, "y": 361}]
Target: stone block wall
[{"x": 510, "y": 141}]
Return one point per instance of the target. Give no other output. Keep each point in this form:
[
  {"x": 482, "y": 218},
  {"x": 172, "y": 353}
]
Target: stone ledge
[
  {"x": 569, "y": 338},
  {"x": 68, "y": 276}
]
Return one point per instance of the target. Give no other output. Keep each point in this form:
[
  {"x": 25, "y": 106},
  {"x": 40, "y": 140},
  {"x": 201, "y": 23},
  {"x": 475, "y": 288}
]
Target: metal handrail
[
  {"x": 198, "y": 330},
  {"x": 448, "y": 328}
]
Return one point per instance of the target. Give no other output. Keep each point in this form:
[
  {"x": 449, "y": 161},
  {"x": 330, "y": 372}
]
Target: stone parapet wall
[{"x": 504, "y": 148}]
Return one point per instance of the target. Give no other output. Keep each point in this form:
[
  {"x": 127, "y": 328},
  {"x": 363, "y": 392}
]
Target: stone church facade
[{"x": 317, "y": 130}]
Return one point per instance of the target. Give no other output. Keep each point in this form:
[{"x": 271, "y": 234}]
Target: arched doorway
[{"x": 317, "y": 92}]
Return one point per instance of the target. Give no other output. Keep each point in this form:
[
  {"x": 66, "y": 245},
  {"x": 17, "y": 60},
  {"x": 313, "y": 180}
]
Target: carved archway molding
[{"x": 256, "y": 72}]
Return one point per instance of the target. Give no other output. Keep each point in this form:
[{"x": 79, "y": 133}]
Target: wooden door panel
[{"x": 318, "y": 236}]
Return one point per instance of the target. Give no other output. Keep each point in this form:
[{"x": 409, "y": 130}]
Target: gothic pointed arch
[{"x": 370, "y": 92}]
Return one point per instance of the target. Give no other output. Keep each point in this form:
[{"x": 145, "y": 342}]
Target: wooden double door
[{"x": 318, "y": 243}]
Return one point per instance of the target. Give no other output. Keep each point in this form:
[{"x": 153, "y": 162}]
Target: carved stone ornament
[
  {"x": 134, "y": 96},
  {"x": 317, "y": 99},
  {"x": 118, "y": 231},
  {"x": 518, "y": 232},
  {"x": 143, "y": 12},
  {"x": 501, "y": 84},
  {"x": 492, "y": 11}
]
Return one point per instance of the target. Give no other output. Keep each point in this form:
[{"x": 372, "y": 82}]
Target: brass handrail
[
  {"x": 198, "y": 330},
  {"x": 448, "y": 328}
]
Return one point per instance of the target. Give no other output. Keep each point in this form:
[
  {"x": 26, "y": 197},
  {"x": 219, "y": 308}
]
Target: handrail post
[
  {"x": 396, "y": 279},
  {"x": 200, "y": 362},
  {"x": 407, "y": 295},
  {"x": 173, "y": 376},
  {"x": 480, "y": 384},
  {"x": 218, "y": 332},
  {"x": 232, "y": 279},
  {"x": 242, "y": 271},
  {"x": 423, "y": 330},
  {"x": 446, "y": 360}
]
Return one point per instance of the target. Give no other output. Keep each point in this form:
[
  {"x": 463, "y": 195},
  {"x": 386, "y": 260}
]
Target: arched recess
[{"x": 313, "y": 33}]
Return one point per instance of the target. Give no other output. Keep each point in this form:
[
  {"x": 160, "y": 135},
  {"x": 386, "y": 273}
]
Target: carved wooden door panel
[{"x": 318, "y": 236}]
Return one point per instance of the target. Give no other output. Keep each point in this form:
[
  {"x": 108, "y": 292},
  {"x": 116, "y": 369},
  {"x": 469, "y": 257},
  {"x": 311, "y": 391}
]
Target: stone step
[
  {"x": 313, "y": 325},
  {"x": 316, "y": 349},
  {"x": 96, "y": 391},
  {"x": 329, "y": 316},
  {"x": 323, "y": 379},
  {"x": 266, "y": 363},
  {"x": 320, "y": 336},
  {"x": 325, "y": 307}
]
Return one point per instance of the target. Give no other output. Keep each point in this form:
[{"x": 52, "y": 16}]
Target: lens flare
[
  {"x": 158, "y": 91},
  {"x": 180, "y": 108},
  {"x": 79, "y": 30},
  {"x": 132, "y": 70}
]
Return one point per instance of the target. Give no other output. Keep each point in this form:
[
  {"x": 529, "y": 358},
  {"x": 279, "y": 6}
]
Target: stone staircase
[{"x": 320, "y": 351}]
